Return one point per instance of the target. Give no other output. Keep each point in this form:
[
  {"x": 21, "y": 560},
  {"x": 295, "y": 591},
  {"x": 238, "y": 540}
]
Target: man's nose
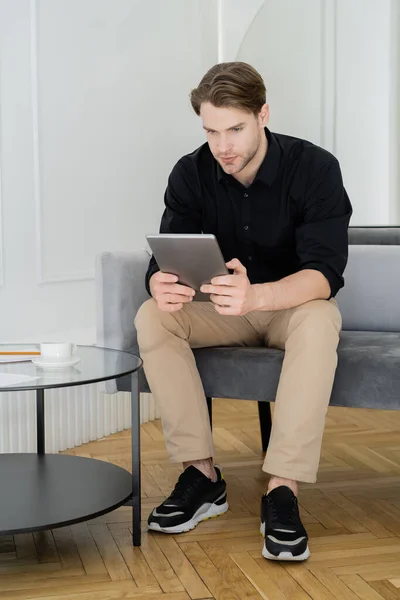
[{"x": 224, "y": 145}]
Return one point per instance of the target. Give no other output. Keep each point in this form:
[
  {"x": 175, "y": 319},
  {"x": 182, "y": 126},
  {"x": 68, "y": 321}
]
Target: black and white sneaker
[
  {"x": 285, "y": 536},
  {"x": 195, "y": 498}
]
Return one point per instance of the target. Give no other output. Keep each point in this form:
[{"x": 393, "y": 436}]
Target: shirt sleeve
[
  {"x": 182, "y": 213},
  {"x": 322, "y": 233}
]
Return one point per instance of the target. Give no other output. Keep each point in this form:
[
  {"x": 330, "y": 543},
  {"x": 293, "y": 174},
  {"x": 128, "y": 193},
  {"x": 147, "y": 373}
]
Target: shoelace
[
  {"x": 183, "y": 489},
  {"x": 285, "y": 513}
]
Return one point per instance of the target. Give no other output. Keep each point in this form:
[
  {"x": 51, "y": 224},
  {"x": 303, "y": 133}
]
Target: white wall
[
  {"x": 330, "y": 68},
  {"x": 363, "y": 120},
  {"x": 395, "y": 112},
  {"x": 94, "y": 112}
]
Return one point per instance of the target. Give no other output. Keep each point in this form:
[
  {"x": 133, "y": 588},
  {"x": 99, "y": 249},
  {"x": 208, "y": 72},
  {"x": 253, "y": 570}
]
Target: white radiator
[{"x": 73, "y": 416}]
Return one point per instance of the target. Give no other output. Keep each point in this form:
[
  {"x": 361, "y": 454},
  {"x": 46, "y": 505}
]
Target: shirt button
[
  {"x": 250, "y": 257},
  {"x": 246, "y": 195},
  {"x": 246, "y": 227}
]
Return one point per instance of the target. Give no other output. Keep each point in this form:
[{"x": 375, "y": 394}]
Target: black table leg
[
  {"x": 264, "y": 412},
  {"x": 209, "y": 406},
  {"x": 136, "y": 500},
  {"x": 40, "y": 448}
]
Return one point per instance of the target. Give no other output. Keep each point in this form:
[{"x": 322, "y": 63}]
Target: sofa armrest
[{"x": 120, "y": 291}]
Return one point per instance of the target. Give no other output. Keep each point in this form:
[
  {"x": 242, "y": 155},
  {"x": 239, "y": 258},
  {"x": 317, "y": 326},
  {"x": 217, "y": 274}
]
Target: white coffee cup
[{"x": 57, "y": 350}]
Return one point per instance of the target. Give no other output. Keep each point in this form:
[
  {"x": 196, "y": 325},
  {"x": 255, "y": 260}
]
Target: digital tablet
[{"x": 194, "y": 257}]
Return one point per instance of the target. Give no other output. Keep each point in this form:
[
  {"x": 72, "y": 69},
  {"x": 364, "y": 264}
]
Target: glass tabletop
[{"x": 95, "y": 364}]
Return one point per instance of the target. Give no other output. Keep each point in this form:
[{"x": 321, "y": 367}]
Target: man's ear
[{"x": 264, "y": 115}]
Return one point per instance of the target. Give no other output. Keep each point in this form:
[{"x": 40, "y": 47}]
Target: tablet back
[{"x": 195, "y": 258}]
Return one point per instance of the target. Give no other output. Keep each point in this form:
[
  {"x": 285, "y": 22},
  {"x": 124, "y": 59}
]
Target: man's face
[{"x": 234, "y": 136}]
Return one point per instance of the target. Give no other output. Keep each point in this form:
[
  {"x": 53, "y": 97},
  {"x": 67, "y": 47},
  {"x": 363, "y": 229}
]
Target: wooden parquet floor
[{"x": 352, "y": 515}]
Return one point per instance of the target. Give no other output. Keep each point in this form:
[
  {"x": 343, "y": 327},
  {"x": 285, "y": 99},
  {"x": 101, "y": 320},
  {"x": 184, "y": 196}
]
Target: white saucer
[{"x": 55, "y": 364}]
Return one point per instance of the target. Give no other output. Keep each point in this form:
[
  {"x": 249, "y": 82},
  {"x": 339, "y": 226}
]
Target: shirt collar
[{"x": 269, "y": 167}]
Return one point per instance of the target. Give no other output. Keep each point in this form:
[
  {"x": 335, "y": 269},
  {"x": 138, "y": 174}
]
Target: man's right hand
[{"x": 169, "y": 295}]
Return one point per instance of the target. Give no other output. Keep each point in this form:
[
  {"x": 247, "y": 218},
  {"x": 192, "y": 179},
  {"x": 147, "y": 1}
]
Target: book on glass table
[{"x": 18, "y": 353}]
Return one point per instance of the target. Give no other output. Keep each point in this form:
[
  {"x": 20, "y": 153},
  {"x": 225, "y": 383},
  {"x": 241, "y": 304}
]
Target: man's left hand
[{"x": 232, "y": 294}]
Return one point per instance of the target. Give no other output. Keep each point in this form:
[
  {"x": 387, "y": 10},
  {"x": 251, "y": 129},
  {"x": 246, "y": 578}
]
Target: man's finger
[
  {"x": 228, "y": 280},
  {"x": 220, "y": 290},
  {"x": 172, "y": 288},
  {"x": 237, "y": 266},
  {"x": 175, "y": 298},
  {"x": 183, "y": 289},
  {"x": 226, "y": 310},
  {"x": 172, "y": 307},
  {"x": 166, "y": 277},
  {"x": 223, "y": 300}
]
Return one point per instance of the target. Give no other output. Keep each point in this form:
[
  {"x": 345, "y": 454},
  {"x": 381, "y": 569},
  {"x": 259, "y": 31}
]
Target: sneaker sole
[
  {"x": 288, "y": 556},
  {"x": 213, "y": 512}
]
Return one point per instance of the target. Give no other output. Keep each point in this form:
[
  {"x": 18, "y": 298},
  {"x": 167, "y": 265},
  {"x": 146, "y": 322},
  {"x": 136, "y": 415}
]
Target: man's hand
[
  {"x": 232, "y": 294},
  {"x": 169, "y": 295}
]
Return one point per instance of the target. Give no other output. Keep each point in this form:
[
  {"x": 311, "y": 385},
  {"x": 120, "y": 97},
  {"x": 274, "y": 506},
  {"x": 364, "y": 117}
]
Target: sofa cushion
[
  {"x": 369, "y": 300},
  {"x": 368, "y": 372}
]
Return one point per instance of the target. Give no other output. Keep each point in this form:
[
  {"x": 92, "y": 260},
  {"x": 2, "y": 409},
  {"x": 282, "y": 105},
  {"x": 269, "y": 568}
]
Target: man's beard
[{"x": 244, "y": 161}]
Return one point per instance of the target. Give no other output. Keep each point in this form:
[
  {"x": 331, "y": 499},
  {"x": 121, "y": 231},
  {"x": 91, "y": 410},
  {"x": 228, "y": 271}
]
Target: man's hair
[{"x": 232, "y": 85}]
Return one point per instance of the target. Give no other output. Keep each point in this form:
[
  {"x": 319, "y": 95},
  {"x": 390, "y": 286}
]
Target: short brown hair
[{"x": 231, "y": 84}]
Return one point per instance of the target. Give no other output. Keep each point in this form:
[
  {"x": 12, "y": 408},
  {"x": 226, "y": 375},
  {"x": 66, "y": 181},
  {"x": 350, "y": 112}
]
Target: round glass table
[{"x": 44, "y": 491}]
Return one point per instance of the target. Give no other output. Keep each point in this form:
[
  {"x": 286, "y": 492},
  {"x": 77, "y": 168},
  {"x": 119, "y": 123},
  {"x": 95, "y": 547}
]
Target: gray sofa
[{"x": 368, "y": 372}]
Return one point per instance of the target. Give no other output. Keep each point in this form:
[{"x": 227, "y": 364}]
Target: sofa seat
[{"x": 367, "y": 376}]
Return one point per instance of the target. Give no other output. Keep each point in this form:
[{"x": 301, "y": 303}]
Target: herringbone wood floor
[{"x": 352, "y": 515}]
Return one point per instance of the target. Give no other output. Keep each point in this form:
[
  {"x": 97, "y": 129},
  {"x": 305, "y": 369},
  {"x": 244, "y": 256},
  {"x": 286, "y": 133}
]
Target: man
[{"x": 278, "y": 209}]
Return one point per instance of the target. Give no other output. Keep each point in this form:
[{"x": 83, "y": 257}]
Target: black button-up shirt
[{"x": 294, "y": 216}]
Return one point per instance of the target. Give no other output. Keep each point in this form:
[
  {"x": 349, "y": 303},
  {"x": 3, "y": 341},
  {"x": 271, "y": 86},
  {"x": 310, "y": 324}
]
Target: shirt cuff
[
  {"x": 150, "y": 272},
  {"x": 335, "y": 281}
]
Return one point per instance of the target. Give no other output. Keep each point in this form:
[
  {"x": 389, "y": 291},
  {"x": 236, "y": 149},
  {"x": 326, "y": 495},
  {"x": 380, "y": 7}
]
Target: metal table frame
[{"x": 136, "y": 467}]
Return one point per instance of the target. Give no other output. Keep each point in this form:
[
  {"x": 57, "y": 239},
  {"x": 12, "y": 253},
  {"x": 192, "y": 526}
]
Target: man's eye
[{"x": 236, "y": 129}]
